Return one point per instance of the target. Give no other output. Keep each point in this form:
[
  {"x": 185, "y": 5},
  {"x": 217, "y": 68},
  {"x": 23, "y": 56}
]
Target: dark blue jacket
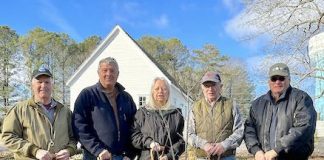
[{"x": 94, "y": 123}]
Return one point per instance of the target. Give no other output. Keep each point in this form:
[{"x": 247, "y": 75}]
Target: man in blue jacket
[
  {"x": 281, "y": 123},
  {"x": 102, "y": 116}
]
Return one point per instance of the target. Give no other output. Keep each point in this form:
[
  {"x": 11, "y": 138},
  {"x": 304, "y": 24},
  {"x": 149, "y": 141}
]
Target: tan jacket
[{"x": 26, "y": 129}]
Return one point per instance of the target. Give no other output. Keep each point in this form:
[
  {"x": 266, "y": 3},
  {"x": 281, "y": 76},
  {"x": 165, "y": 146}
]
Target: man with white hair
[{"x": 215, "y": 126}]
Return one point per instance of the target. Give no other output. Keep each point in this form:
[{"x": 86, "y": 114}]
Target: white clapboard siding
[{"x": 137, "y": 70}]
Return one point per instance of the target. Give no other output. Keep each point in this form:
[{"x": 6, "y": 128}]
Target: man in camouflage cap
[{"x": 281, "y": 123}]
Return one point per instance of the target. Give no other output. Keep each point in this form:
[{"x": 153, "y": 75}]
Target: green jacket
[{"x": 26, "y": 129}]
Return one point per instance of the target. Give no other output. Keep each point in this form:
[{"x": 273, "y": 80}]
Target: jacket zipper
[{"x": 52, "y": 132}]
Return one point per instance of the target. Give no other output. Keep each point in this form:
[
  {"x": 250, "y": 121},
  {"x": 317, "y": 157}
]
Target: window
[{"x": 141, "y": 101}]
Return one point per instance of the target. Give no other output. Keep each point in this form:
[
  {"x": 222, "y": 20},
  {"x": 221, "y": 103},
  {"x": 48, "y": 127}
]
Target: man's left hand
[
  {"x": 218, "y": 149},
  {"x": 126, "y": 158},
  {"x": 164, "y": 158},
  {"x": 270, "y": 155},
  {"x": 62, "y": 155}
]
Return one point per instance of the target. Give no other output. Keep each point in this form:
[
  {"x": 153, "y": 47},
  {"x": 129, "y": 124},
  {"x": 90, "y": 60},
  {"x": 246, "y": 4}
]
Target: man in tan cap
[
  {"x": 281, "y": 123},
  {"x": 215, "y": 126}
]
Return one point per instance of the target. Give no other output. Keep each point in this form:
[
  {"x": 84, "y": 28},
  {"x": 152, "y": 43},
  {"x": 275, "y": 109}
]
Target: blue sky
[{"x": 195, "y": 23}]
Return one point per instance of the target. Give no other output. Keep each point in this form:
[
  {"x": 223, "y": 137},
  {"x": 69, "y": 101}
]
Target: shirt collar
[
  {"x": 284, "y": 95},
  {"x": 213, "y": 103},
  {"x": 53, "y": 104}
]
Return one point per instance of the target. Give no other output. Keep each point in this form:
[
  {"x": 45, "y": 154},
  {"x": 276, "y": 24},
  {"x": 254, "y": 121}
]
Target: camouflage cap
[{"x": 279, "y": 69}]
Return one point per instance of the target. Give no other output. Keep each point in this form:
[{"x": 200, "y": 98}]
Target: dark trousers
[{"x": 88, "y": 156}]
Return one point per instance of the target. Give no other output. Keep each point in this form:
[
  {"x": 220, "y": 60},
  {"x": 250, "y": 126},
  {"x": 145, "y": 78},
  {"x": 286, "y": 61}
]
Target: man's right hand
[
  {"x": 104, "y": 155},
  {"x": 259, "y": 155},
  {"x": 156, "y": 146},
  {"x": 44, "y": 155}
]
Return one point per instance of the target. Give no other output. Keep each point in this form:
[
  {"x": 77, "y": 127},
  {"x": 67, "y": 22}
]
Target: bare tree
[{"x": 288, "y": 25}]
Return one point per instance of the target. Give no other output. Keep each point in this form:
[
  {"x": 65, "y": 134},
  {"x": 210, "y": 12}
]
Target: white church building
[{"x": 136, "y": 70}]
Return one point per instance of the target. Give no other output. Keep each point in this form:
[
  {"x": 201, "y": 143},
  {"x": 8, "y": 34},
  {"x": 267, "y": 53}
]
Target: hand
[
  {"x": 44, "y": 155},
  {"x": 208, "y": 148},
  {"x": 104, "y": 155},
  {"x": 156, "y": 146},
  {"x": 62, "y": 155},
  {"x": 270, "y": 155},
  {"x": 164, "y": 158},
  {"x": 218, "y": 149},
  {"x": 259, "y": 155},
  {"x": 126, "y": 158}
]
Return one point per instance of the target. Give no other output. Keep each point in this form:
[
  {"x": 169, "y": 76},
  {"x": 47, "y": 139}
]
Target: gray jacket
[{"x": 295, "y": 128}]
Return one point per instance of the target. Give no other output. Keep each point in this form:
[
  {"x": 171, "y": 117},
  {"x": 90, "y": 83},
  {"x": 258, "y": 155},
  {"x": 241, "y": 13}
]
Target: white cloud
[
  {"x": 135, "y": 14},
  {"x": 238, "y": 29},
  {"x": 245, "y": 34},
  {"x": 162, "y": 21},
  {"x": 233, "y": 6},
  {"x": 53, "y": 15}
]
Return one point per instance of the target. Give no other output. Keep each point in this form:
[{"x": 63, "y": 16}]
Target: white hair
[
  {"x": 151, "y": 102},
  {"x": 109, "y": 60}
]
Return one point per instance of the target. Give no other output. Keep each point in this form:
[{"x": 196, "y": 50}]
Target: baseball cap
[
  {"x": 210, "y": 76},
  {"x": 41, "y": 71},
  {"x": 279, "y": 69}
]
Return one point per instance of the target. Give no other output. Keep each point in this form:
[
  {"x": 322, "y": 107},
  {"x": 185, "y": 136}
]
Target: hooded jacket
[
  {"x": 26, "y": 129},
  {"x": 162, "y": 126},
  {"x": 295, "y": 128}
]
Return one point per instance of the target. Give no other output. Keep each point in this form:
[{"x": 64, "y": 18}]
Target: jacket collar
[
  {"x": 32, "y": 103},
  {"x": 148, "y": 107},
  {"x": 284, "y": 95},
  {"x": 163, "y": 111}
]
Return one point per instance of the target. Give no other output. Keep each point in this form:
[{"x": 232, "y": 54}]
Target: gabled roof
[
  {"x": 94, "y": 55},
  {"x": 104, "y": 44},
  {"x": 173, "y": 81}
]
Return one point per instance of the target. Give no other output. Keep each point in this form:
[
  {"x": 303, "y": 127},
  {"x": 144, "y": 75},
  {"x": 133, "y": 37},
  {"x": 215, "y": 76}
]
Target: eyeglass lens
[{"x": 275, "y": 78}]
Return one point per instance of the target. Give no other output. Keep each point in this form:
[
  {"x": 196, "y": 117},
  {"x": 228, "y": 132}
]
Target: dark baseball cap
[
  {"x": 41, "y": 71},
  {"x": 211, "y": 76},
  {"x": 279, "y": 69}
]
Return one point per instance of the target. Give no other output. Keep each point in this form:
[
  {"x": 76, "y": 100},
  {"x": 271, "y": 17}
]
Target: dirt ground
[{"x": 242, "y": 153}]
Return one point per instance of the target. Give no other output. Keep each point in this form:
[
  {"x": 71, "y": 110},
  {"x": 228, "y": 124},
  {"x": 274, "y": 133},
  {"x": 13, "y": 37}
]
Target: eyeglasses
[
  {"x": 275, "y": 78},
  {"x": 209, "y": 84}
]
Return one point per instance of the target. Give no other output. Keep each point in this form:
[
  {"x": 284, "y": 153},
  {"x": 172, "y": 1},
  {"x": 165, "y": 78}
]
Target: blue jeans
[{"x": 229, "y": 158}]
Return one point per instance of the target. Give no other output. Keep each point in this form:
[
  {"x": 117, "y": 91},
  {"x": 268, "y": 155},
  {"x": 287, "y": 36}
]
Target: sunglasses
[{"x": 275, "y": 78}]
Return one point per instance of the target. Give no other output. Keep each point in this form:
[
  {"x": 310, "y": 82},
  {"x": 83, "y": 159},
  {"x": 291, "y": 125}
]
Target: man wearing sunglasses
[{"x": 281, "y": 123}]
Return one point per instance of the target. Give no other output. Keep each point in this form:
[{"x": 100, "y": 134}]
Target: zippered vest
[{"x": 214, "y": 124}]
